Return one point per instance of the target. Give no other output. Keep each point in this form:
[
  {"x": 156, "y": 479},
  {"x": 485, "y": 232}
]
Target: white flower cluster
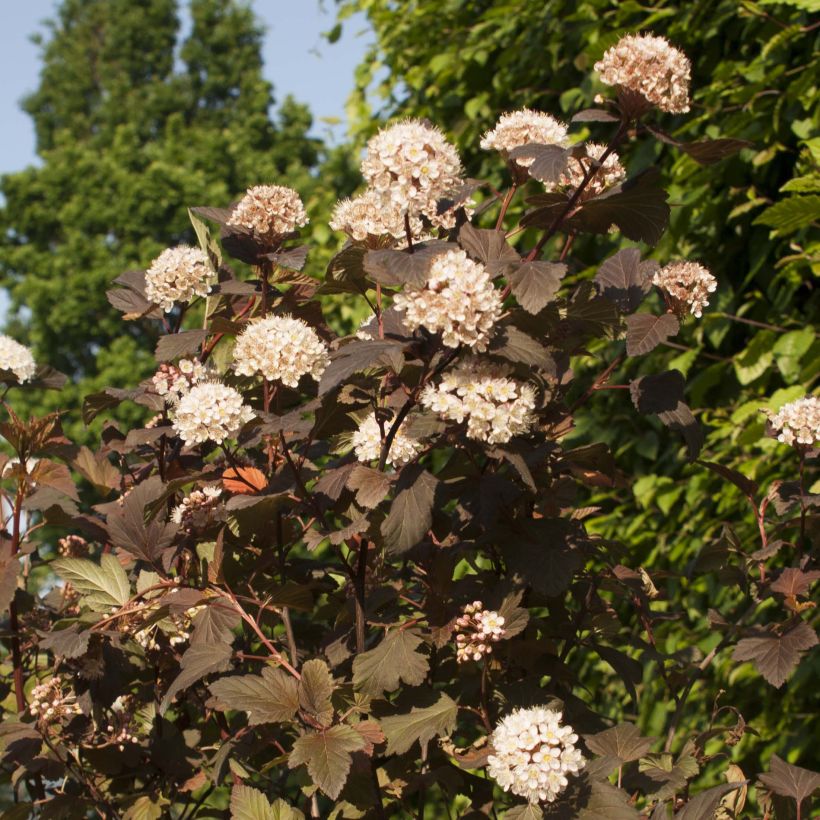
[
  {"x": 609, "y": 173},
  {"x": 411, "y": 166},
  {"x": 524, "y": 127},
  {"x": 367, "y": 443},
  {"x": 651, "y": 67},
  {"x": 798, "y": 422},
  {"x": 178, "y": 275},
  {"x": 50, "y": 702},
  {"x": 17, "y": 358},
  {"x": 198, "y": 509},
  {"x": 458, "y": 301},
  {"x": 280, "y": 347},
  {"x": 369, "y": 216},
  {"x": 176, "y": 628},
  {"x": 72, "y": 546},
  {"x": 533, "y": 753},
  {"x": 476, "y": 630},
  {"x": 687, "y": 284},
  {"x": 270, "y": 211},
  {"x": 495, "y": 406},
  {"x": 210, "y": 411},
  {"x": 174, "y": 381}
]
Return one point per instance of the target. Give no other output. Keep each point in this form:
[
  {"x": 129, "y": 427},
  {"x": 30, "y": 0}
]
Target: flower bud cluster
[
  {"x": 280, "y": 348},
  {"x": 270, "y": 211},
  {"x": 524, "y": 127},
  {"x": 174, "y": 381},
  {"x": 17, "y": 358},
  {"x": 458, "y": 301},
  {"x": 51, "y": 702},
  {"x": 651, "y": 67},
  {"x": 198, "y": 510},
  {"x": 367, "y": 443},
  {"x": 798, "y": 422},
  {"x": 178, "y": 275},
  {"x": 533, "y": 753},
  {"x": 476, "y": 630},
  {"x": 687, "y": 284},
  {"x": 495, "y": 407},
  {"x": 210, "y": 411},
  {"x": 72, "y": 546}
]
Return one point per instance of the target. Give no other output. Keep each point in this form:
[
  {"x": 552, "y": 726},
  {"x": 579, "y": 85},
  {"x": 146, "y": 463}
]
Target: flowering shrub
[{"x": 356, "y": 576}]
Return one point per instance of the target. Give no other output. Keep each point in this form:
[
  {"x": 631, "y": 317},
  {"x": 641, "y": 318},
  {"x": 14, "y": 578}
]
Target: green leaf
[
  {"x": 421, "y": 724},
  {"x": 411, "y": 512},
  {"x": 315, "y": 689},
  {"x": 272, "y": 697},
  {"x": 623, "y": 742},
  {"x": 250, "y": 804},
  {"x": 146, "y": 807},
  {"x": 756, "y": 359},
  {"x": 775, "y": 656},
  {"x": 101, "y": 587},
  {"x": 791, "y": 214},
  {"x": 327, "y": 756},
  {"x": 395, "y": 659},
  {"x": 645, "y": 331},
  {"x": 198, "y": 661},
  {"x": 535, "y": 284}
]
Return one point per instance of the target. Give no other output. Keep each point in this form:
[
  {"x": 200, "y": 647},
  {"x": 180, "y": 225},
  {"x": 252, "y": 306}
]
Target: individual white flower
[
  {"x": 533, "y": 754},
  {"x": 270, "y": 211},
  {"x": 198, "y": 510},
  {"x": 688, "y": 285},
  {"x": 280, "y": 348},
  {"x": 178, "y": 275},
  {"x": 649, "y": 66},
  {"x": 458, "y": 301},
  {"x": 476, "y": 630},
  {"x": 17, "y": 358},
  {"x": 174, "y": 381},
  {"x": 605, "y": 175},
  {"x": 367, "y": 443},
  {"x": 495, "y": 407},
  {"x": 524, "y": 127},
  {"x": 210, "y": 411},
  {"x": 411, "y": 166},
  {"x": 798, "y": 422}
]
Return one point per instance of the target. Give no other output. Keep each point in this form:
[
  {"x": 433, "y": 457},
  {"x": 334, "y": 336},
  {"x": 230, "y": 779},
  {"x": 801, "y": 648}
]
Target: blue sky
[{"x": 298, "y": 60}]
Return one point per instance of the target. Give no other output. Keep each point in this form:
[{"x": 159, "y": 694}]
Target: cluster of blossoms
[
  {"x": 495, "y": 406},
  {"x": 524, "y": 127},
  {"x": 72, "y": 546},
  {"x": 605, "y": 174},
  {"x": 368, "y": 217},
  {"x": 178, "y": 275},
  {"x": 198, "y": 510},
  {"x": 458, "y": 301},
  {"x": 210, "y": 411},
  {"x": 174, "y": 381},
  {"x": 176, "y": 627},
  {"x": 16, "y": 358},
  {"x": 651, "y": 67},
  {"x": 533, "y": 753},
  {"x": 280, "y": 347},
  {"x": 688, "y": 285},
  {"x": 50, "y": 702},
  {"x": 367, "y": 444},
  {"x": 798, "y": 422},
  {"x": 411, "y": 166},
  {"x": 476, "y": 630},
  {"x": 270, "y": 211}
]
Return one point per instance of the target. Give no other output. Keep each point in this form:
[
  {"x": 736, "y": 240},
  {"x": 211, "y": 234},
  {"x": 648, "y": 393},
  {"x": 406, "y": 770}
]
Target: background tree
[{"x": 129, "y": 133}]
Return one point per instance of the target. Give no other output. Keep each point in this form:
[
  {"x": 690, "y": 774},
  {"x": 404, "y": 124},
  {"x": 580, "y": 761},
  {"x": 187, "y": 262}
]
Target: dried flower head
[
  {"x": 797, "y": 422},
  {"x": 174, "y": 381},
  {"x": 52, "y": 701},
  {"x": 533, "y": 753},
  {"x": 524, "y": 127},
  {"x": 270, "y": 211},
  {"x": 72, "y": 546},
  {"x": 210, "y": 411},
  {"x": 458, "y": 301},
  {"x": 687, "y": 285},
  {"x": 495, "y": 407},
  {"x": 280, "y": 348},
  {"x": 476, "y": 630},
  {"x": 16, "y": 358},
  {"x": 198, "y": 510},
  {"x": 369, "y": 217},
  {"x": 651, "y": 67},
  {"x": 411, "y": 166},
  {"x": 367, "y": 443},
  {"x": 178, "y": 275}
]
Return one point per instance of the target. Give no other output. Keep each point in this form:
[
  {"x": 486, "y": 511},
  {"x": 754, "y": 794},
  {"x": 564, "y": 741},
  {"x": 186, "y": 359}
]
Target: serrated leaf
[
  {"x": 66, "y": 643},
  {"x": 516, "y": 346},
  {"x": 489, "y": 247},
  {"x": 790, "y": 781},
  {"x": 527, "y": 811},
  {"x": 127, "y": 528},
  {"x": 411, "y": 512},
  {"x": 658, "y": 392},
  {"x": 745, "y": 485},
  {"x": 101, "y": 586},
  {"x": 395, "y": 659},
  {"x": 791, "y": 214},
  {"x": 515, "y": 617},
  {"x": 315, "y": 689},
  {"x": 214, "y": 623},
  {"x": 272, "y": 697},
  {"x": 357, "y": 356},
  {"x": 97, "y": 469},
  {"x": 549, "y": 161},
  {"x": 624, "y": 280},
  {"x": 623, "y": 742},
  {"x": 248, "y": 803},
  {"x": 708, "y": 152},
  {"x": 9, "y": 572},
  {"x": 795, "y": 582},
  {"x": 395, "y": 268},
  {"x": 421, "y": 724},
  {"x": 51, "y": 474},
  {"x": 327, "y": 756},
  {"x": 755, "y": 360},
  {"x": 534, "y": 284},
  {"x": 198, "y": 661},
  {"x": 175, "y": 345},
  {"x": 682, "y": 420},
  {"x": 775, "y": 656},
  {"x": 704, "y": 804},
  {"x": 645, "y": 331},
  {"x": 371, "y": 486},
  {"x": 605, "y": 802}
]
